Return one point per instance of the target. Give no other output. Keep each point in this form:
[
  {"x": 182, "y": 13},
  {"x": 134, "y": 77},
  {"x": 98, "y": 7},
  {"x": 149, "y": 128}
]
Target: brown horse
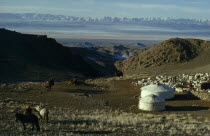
[{"x": 28, "y": 119}]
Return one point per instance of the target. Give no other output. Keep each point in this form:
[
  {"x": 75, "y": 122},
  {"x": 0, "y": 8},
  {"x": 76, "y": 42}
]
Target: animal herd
[
  {"x": 198, "y": 81},
  {"x": 42, "y": 112}
]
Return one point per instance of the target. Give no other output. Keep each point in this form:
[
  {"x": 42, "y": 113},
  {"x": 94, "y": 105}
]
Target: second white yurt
[
  {"x": 151, "y": 103},
  {"x": 160, "y": 90}
]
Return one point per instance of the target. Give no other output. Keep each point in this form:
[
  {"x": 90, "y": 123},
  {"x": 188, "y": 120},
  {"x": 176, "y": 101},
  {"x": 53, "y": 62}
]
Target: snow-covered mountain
[
  {"x": 31, "y": 17},
  {"x": 60, "y": 26}
]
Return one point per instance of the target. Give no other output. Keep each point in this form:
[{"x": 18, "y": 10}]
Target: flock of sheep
[{"x": 181, "y": 83}]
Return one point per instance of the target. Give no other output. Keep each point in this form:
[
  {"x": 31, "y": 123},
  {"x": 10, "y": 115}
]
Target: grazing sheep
[{"x": 196, "y": 81}]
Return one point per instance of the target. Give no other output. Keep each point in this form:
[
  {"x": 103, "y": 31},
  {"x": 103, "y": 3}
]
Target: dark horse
[
  {"x": 28, "y": 119},
  {"x": 119, "y": 74}
]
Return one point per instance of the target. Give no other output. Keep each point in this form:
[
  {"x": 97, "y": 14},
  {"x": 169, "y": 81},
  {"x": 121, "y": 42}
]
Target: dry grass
[{"x": 65, "y": 121}]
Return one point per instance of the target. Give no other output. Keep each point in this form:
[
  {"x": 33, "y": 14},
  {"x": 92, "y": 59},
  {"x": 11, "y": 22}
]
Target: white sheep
[{"x": 179, "y": 90}]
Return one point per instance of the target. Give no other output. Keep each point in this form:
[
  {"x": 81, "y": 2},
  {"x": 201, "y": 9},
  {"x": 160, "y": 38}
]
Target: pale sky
[{"x": 197, "y": 9}]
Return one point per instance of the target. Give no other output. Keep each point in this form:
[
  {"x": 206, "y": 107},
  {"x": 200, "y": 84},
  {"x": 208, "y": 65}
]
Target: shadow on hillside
[
  {"x": 187, "y": 96},
  {"x": 81, "y": 82},
  {"x": 85, "y": 91},
  {"x": 97, "y": 56},
  {"x": 185, "y": 108}
]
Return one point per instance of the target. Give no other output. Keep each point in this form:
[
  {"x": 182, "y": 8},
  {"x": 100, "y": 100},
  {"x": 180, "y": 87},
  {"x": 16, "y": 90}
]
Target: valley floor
[{"x": 104, "y": 106}]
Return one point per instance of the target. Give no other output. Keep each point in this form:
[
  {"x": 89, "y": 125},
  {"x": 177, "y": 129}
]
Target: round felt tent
[
  {"x": 160, "y": 90},
  {"x": 151, "y": 103}
]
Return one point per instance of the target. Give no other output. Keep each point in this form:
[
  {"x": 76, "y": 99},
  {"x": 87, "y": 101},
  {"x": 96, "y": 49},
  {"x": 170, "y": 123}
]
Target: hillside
[
  {"x": 172, "y": 52},
  {"x": 36, "y": 57}
]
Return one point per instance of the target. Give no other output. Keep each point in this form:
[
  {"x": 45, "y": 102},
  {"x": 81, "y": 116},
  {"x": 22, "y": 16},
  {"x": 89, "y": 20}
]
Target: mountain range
[
  {"x": 73, "y": 27},
  {"x": 53, "y": 19}
]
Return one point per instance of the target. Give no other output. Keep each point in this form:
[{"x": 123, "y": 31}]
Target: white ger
[{"x": 151, "y": 103}]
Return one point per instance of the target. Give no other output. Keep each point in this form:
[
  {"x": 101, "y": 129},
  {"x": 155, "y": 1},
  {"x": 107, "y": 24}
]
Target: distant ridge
[
  {"x": 60, "y": 26},
  {"x": 152, "y": 21},
  {"x": 86, "y": 44},
  {"x": 138, "y": 45}
]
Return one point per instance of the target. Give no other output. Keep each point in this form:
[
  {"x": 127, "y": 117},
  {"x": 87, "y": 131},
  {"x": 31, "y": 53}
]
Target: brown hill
[
  {"x": 170, "y": 52},
  {"x": 36, "y": 57}
]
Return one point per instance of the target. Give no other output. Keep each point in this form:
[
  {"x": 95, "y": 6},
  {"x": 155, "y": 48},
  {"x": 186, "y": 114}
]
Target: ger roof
[{"x": 157, "y": 88}]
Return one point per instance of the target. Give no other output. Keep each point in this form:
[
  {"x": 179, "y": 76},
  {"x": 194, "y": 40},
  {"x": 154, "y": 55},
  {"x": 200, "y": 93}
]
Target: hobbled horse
[{"x": 28, "y": 119}]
